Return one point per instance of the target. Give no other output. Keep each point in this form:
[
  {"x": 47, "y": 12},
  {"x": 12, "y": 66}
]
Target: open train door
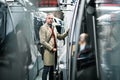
[{"x": 83, "y": 21}]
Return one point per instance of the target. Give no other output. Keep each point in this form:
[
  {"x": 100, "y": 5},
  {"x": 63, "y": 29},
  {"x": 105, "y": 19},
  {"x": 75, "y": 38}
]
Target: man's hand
[
  {"x": 54, "y": 49},
  {"x": 68, "y": 30}
]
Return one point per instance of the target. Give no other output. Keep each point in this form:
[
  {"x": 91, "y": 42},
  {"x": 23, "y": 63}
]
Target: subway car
[{"x": 20, "y": 57}]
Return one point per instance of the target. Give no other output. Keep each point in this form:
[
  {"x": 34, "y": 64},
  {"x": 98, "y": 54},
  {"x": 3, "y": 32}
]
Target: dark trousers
[{"x": 48, "y": 69}]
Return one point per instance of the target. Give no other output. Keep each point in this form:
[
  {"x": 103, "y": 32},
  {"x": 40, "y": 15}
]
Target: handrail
[
  {"x": 70, "y": 45},
  {"x": 96, "y": 49},
  {"x": 71, "y": 38},
  {"x": 78, "y": 24}
]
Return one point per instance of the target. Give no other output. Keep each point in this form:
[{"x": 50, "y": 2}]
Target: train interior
[{"x": 21, "y": 53}]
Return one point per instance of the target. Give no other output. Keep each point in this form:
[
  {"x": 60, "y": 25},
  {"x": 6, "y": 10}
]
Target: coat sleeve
[
  {"x": 62, "y": 36},
  {"x": 43, "y": 39}
]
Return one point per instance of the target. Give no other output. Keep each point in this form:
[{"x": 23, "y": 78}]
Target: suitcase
[{"x": 58, "y": 75}]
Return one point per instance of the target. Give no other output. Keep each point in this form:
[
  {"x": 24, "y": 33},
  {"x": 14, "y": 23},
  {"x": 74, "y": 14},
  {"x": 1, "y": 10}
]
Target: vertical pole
[{"x": 95, "y": 44}]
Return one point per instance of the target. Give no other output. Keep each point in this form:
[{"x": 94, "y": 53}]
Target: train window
[
  {"x": 2, "y": 24},
  {"x": 108, "y": 17}
]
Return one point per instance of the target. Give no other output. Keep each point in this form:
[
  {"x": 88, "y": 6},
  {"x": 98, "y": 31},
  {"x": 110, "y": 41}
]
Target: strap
[
  {"x": 53, "y": 34},
  {"x": 50, "y": 38},
  {"x": 55, "y": 46}
]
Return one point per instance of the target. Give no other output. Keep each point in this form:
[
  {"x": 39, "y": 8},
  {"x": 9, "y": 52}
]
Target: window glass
[{"x": 108, "y": 21}]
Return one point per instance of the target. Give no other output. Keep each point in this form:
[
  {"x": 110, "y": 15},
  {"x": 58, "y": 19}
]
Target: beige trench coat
[{"x": 48, "y": 42}]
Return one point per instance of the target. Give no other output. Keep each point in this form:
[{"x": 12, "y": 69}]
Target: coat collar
[
  {"x": 46, "y": 25},
  {"x": 48, "y": 28}
]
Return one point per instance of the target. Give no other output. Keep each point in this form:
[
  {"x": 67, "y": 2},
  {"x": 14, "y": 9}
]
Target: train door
[
  {"x": 108, "y": 39},
  {"x": 82, "y": 68}
]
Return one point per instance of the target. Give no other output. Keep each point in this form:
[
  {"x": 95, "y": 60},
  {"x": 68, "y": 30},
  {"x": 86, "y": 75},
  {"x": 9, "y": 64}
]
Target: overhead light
[
  {"x": 9, "y": 0},
  {"x": 108, "y": 8}
]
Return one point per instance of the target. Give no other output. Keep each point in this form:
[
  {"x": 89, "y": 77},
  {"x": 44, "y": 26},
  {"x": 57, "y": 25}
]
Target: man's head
[
  {"x": 83, "y": 37},
  {"x": 49, "y": 18}
]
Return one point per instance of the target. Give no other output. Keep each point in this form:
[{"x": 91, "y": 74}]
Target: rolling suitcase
[{"x": 58, "y": 75}]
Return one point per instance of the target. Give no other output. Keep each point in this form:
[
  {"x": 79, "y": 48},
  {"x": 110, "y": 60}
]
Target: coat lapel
[{"x": 50, "y": 31}]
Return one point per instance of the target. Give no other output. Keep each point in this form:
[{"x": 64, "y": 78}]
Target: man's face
[
  {"x": 82, "y": 37},
  {"x": 49, "y": 19}
]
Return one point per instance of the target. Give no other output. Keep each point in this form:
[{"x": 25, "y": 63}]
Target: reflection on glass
[
  {"x": 109, "y": 42},
  {"x": 108, "y": 1}
]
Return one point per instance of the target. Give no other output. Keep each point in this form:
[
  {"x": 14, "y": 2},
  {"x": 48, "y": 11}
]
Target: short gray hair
[{"x": 50, "y": 14}]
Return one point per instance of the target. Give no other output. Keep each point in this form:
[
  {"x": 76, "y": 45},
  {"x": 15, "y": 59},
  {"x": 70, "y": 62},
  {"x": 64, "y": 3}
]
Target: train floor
[
  {"x": 81, "y": 75},
  {"x": 89, "y": 72}
]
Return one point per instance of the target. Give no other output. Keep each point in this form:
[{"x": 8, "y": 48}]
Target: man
[{"x": 48, "y": 35}]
